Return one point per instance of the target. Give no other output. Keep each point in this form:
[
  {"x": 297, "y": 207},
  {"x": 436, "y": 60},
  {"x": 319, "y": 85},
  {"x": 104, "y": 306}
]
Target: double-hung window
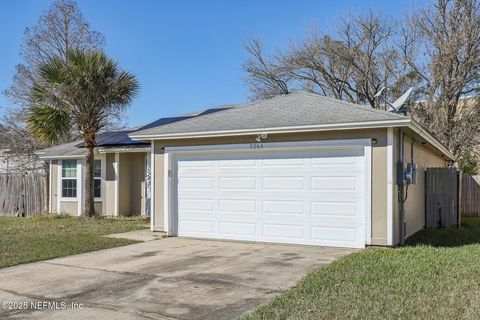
[
  {"x": 97, "y": 176},
  {"x": 69, "y": 178}
]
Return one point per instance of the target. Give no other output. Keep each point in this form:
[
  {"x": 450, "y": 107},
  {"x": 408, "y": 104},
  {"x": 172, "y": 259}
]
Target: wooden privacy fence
[
  {"x": 470, "y": 198},
  {"x": 23, "y": 195},
  {"x": 442, "y": 192}
]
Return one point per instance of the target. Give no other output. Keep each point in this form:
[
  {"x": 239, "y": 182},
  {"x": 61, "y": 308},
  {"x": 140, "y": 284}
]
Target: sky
[{"x": 186, "y": 55}]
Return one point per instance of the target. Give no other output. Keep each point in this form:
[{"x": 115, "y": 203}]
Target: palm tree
[{"x": 85, "y": 92}]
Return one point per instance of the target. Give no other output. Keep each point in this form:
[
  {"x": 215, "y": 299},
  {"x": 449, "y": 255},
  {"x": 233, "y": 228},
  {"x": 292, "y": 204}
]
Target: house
[{"x": 299, "y": 168}]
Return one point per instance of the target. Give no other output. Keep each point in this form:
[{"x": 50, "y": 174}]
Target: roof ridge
[
  {"x": 238, "y": 106},
  {"x": 364, "y": 108}
]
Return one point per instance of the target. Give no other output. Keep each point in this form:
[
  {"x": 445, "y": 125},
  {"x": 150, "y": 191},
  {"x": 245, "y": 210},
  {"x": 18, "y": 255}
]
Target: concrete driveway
[{"x": 172, "y": 278}]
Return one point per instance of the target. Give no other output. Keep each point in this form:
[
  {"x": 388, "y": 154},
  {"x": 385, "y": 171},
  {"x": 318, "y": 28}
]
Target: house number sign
[{"x": 255, "y": 146}]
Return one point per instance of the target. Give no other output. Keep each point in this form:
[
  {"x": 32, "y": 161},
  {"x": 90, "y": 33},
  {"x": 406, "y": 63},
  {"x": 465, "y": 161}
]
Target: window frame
[
  {"x": 100, "y": 178},
  {"x": 62, "y": 178}
]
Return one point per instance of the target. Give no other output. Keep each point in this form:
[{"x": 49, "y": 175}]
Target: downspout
[
  {"x": 401, "y": 190},
  {"x": 403, "y": 182}
]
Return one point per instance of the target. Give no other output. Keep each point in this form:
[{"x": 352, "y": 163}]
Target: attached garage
[
  {"x": 299, "y": 169},
  {"x": 315, "y": 193}
]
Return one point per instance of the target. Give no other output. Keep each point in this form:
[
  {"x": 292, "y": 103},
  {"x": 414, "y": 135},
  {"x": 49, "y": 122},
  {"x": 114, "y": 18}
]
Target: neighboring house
[
  {"x": 18, "y": 163},
  {"x": 299, "y": 168}
]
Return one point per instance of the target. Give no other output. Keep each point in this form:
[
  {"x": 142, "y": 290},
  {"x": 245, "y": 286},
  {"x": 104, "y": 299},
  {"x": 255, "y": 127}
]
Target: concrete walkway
[
  {"x": 139, "y": 235},
  {"x": 172, "y": 278}
]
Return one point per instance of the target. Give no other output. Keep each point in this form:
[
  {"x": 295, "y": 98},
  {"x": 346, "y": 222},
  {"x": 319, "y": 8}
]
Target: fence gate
[{"x": 442, "y": 197}]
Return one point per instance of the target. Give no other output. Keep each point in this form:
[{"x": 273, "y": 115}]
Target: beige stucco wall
[
  {"x": 424, "y": 157},
  {"x": 124, "y": 185},
  {"x": 131, "y": 183},
  {"x": 137, "y": 167},
  {"x": 415, "y": 204},
  {"x": 131, "y": 186},
  {"x": 69, "y": 207},
  {"x": 379, "y": 169}
]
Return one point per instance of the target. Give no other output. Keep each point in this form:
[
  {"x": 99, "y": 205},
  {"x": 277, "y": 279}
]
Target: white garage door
[{"x": 314, "y": 197}]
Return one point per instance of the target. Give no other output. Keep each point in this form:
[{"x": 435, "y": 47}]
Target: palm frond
[{"x": 48, "y": 124}]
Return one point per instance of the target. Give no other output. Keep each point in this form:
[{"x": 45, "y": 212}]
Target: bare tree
[
  {"x": 436, "y": 50},
  {"x": 60, "y": 29},
  {"x": 267, "y": 78},
  {"x": 352, "y": 65},
  {"x": 444, "y": 50}
]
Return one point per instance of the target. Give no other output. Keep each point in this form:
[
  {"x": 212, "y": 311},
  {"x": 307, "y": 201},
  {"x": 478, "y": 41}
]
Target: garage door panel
[
  {"x": 196, "y": 226},
  {"x": 192, "y": 165},
  {"x": 338, "y": 234},
  {"x": 238, "y": 206},
  {"x": 200, "y": 183},
  {"x": 283, "y": 231},
  {"x": 334, "y": 208},
  {"x": 334, "y": 183},
  {"x": 238, "y": 183},
  {"x": 283, "y": 183},
  {"x": 304, "y": 197},
  {"x": 245, "y": 163},
  {"x": 283, "y": 207},
  {"x": 282, "y": 163},
  {"x": 195, "y": 204},
  {"x": 238, "y": 228}
]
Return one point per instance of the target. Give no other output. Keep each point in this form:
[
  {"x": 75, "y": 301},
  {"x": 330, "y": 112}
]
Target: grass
[
  {"x": 25, "y": 240},
  {"x": 435, "y": 276}
]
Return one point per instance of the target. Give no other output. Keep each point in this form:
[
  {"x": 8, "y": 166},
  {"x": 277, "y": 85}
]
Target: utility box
[
  {"x": 411, "y": 173},
  {"x": 406, "y": 175}
]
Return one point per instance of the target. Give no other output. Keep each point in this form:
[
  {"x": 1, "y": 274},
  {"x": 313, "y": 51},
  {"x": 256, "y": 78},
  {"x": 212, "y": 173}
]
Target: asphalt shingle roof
[{"x": 296, "y": 109}]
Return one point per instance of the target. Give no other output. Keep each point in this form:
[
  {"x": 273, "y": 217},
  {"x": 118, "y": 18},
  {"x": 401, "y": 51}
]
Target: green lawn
[
  {"x": 25, "y": 240},
  {"x": 435, "y": 276}
]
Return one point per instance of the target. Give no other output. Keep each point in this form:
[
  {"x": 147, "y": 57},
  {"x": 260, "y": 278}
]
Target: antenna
[
  {"x": 379, "y": 93},
  {"x": 397, "y": 104}
]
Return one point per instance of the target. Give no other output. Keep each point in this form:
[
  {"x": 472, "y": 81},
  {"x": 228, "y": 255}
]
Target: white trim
[
  {"x": 270, "y": 145},
  {"x": 62, "y": 157},
  {"x": 167, "y": 192},
  {"x": 50, "y": 166},
  {"x": 79, "y": 187},
  {"x": 368, "y": 192},
  {"x": 116, "y": 168},
  {"x": 290, "y": 129},
  {"x": 123, "y": 150},
  {"x": 148, "y": 185},
  {"x": 430, "y": 139},
  {"x": 169, "y": 160},
  {"x": 103, "y": 177},
  {"x": 390, "y": 186},
  {"x": 152, "y": 187},
  {"x": 60, "y": 198},
  {"x": 59, "y": 185}
]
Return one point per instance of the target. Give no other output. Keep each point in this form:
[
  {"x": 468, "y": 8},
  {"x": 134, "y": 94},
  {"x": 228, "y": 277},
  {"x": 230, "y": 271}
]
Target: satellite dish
[
  {"x": 379, "y": 93},
  {"x": 397, "y": 104},
  {"x": 400, "y": 101}
]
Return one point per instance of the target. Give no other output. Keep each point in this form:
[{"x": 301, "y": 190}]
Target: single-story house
[{"x": 299, "y": 168}]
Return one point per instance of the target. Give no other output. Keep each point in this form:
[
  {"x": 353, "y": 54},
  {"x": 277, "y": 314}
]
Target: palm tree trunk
[{"x": 89, "y": 160}]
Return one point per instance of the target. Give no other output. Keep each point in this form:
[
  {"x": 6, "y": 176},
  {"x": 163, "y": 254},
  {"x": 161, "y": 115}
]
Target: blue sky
[{"x": 187, "y": 55}]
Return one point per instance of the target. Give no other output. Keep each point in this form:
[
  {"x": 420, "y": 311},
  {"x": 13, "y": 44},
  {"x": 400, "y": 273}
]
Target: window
[
  {"x": 97, "y": 178},
  {"x": 69, "y": 178}
]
